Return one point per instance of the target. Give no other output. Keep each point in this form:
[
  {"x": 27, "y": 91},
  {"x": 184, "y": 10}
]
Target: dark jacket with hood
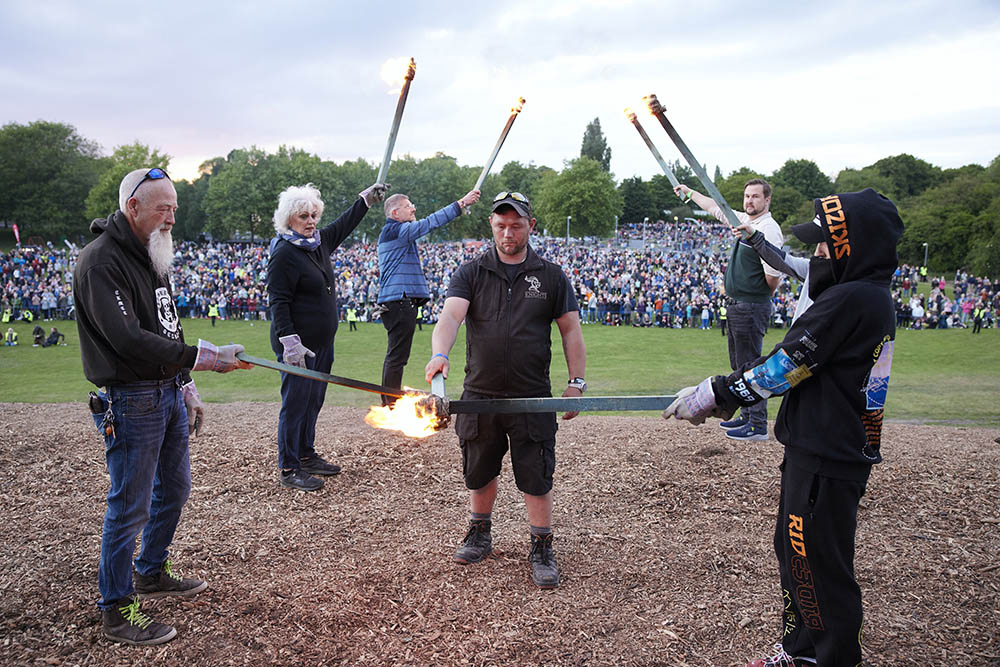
[
  {"x": 129, "y": 329},
  {"x": 833, "y": 365}
]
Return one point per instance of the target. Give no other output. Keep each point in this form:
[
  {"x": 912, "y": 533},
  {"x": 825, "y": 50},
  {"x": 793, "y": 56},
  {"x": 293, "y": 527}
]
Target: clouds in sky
[{"x": 843, "y": 83}]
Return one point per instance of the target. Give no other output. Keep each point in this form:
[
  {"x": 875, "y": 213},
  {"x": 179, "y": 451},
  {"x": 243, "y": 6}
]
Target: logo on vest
[
  {"x": 166, "y": 312},
  {"x": 534, "y": 289}
]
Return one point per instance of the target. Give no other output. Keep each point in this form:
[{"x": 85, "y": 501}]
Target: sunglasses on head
[
  {"x": 153, "y": 174},
  {"x": 511, "y": 195}
]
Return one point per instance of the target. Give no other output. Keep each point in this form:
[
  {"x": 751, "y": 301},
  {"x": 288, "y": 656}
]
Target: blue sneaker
[
  {"x": 735, "y": 422},
  {"x": 748, "y": 432}
]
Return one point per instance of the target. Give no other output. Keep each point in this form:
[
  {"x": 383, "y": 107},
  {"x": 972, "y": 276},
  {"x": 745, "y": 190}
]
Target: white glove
[
  {"x": 295, "y": 352},
  {"x": 374, "y": 193},
  {"x": 219, "y": 359},
  {"x": 694, "y": 404},
  {"x": 195, "y": 408}
]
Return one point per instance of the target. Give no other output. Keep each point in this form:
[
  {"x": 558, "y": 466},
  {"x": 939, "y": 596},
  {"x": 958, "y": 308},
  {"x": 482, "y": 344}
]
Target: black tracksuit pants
[
  {"x": 814, "y": 543},
  {"x": 400, "y": 320}
]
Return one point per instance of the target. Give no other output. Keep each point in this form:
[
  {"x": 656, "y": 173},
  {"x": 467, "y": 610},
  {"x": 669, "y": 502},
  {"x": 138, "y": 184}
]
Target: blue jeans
[
  {"x": 747, "y": 325},
  {"x": 147, "y": 459},
  {"x": 301, "y": 400}
]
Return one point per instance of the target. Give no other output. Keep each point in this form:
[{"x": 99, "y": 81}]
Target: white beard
[{"x": 161, "y": 250}]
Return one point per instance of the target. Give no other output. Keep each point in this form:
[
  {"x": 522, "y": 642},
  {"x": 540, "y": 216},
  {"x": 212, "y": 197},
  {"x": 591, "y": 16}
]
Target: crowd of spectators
[{"x": 672, "y": 279}]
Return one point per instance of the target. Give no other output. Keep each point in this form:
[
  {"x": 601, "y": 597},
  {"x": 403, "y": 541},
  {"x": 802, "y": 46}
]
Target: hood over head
[{"x": 861, "y": 230}]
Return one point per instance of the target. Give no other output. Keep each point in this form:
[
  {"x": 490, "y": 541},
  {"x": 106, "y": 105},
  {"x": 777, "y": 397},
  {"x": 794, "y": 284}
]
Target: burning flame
[
  {"x": 630, "y": 114},
  {"x": 520, "y": 105},
  {"x": 412, "y": 415},
  {"x": 395, "y": 71}
]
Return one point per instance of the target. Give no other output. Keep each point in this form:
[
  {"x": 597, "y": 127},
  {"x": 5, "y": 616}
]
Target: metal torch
[
  {"x": 659, "y": 112},
  {"x": 515, "y": 110},
  {"x": 411, "y": 71}
]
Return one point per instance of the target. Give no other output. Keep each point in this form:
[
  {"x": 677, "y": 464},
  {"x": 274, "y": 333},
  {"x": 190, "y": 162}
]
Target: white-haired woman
[{"x": 303, "y": 299}]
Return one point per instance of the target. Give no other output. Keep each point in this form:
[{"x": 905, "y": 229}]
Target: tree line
[{"x": 54, "y": 181}]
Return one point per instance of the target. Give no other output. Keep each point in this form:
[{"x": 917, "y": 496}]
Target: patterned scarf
[{"x": 304, "y": 242}]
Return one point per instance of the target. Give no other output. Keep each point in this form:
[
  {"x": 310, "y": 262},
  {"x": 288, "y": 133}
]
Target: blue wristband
[{"x": 439, "y": 354}]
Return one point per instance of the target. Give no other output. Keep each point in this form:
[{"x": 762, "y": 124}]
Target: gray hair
[
  {"x": 128, "y": 184},
  {"x": 293, "y": 200},
  {"x": 393, "y": 201}
]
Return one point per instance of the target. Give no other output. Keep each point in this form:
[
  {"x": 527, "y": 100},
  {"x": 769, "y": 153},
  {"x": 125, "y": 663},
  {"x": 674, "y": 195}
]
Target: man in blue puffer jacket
[{"x": 402, "y": 286}]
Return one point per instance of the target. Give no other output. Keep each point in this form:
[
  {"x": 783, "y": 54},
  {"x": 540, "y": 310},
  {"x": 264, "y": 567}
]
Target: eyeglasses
[
  {"x": 153, "y": 174},
  {"x": 511, "y": 195}
]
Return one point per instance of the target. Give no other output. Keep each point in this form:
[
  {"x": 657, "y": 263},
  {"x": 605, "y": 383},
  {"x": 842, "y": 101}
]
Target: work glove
[
  {"x": 195, "y": 408},
  {"x": 295, "y": 352},
  {"x": 694, "y": 404},
  {"x": 374, "y": 193},
  {"x": 219, "y": 359}
]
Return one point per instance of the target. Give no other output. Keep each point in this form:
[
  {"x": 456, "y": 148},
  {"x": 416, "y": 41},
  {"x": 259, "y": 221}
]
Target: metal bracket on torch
[
  {"x": 659, "y": 112},
  {"x": 548, "y": 404}
]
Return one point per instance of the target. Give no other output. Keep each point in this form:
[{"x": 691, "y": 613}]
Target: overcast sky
[{"x": 840, "y": 83}]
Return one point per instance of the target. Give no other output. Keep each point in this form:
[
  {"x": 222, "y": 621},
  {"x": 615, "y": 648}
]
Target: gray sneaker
[
  {"x": 544, "y": 570},
  {"x": 165, "y": 582},
  {"x": 477, "y": 545},
  {"x": 125, "y": 623}
]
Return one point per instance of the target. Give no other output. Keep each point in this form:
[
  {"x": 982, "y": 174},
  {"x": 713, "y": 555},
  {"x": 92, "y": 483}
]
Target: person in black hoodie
[
  {"x": 302, "y": 292},
  {"x": 132, "y": 344},
  {"x": 833, "y": 370}
]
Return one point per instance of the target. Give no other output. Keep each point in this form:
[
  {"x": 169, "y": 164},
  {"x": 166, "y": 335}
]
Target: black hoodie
[
  {"x": 833, "y": 365},
  {"x": 125, "y": 313}
]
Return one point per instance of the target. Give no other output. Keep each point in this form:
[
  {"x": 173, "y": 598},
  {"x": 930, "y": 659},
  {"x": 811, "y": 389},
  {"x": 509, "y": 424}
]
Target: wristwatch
[{"x": 578, "y": 383}]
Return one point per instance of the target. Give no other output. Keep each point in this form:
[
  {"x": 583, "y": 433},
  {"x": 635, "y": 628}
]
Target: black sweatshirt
[
  {"x": 302, "y": 288},
  {"x": 833, "y": 365},
  {"x": 129, "y": 329}
]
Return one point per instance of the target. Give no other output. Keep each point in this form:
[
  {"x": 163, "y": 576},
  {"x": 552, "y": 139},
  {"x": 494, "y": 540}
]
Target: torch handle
[
  {"x": 657, "y": 110},
  {"x": 394, "y": 130}
]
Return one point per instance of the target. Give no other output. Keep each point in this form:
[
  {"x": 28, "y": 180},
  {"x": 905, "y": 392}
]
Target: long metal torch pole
[
  {"x": 496, "y": 149},
  {"x": 411, "y": 71},
  {"x": 659, "y": 112},
  {"x": 652, "y": 149}
]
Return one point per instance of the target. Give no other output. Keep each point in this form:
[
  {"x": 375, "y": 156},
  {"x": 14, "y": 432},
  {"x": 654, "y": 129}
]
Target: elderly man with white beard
[{"x": 133, "y": 348}]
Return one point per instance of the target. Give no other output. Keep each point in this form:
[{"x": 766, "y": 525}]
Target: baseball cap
[
  {"x": 515, "y": 200},
  {"x": 809, "y": 232}
]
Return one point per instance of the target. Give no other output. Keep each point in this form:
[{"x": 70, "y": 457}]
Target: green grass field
[{"x": 937, "y": 376}]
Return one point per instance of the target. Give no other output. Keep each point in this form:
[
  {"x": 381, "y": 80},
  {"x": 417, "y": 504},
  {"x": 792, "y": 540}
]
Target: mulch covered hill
[{"x": 663, "y": 535}]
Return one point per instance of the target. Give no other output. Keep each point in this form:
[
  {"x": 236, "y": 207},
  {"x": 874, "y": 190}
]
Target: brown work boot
[
  {"x": 125, "y": 623},
  {"x": 165, "y": 582}
]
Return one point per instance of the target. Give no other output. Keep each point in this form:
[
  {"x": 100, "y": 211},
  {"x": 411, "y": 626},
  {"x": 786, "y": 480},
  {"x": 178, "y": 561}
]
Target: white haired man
[
  {"x": 302, "y": 292},
  {"x": 132, "y": 345},
  {"x": 402, "y": 285}
]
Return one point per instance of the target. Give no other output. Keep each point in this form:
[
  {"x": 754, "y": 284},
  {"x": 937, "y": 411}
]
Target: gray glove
[
  {"x": 694, "y": 404},
  {"x": 295, "y": 352},
  {"x": 219, "y": 359},
  {"x": 195, "y": 408},
  {"x": 374, "y": 193}
]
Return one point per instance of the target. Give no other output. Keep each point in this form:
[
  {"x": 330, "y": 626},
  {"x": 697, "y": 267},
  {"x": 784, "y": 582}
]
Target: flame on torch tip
[
  {"x": 630, "y": 114},
  {"x": 390, "y": 72},
  {"x": 653, "y": 104},
  {"x": 411, "y": 415},
  {"x": 519, "y": 106}
]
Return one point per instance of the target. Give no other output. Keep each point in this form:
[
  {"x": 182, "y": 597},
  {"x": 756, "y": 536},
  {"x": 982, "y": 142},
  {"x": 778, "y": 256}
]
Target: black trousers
[
  {"x": 814, "y": 543},
  {"x": 399, "y": 321}
]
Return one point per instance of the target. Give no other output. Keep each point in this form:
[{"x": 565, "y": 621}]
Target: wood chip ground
[{"x": 663, "y": 537}]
